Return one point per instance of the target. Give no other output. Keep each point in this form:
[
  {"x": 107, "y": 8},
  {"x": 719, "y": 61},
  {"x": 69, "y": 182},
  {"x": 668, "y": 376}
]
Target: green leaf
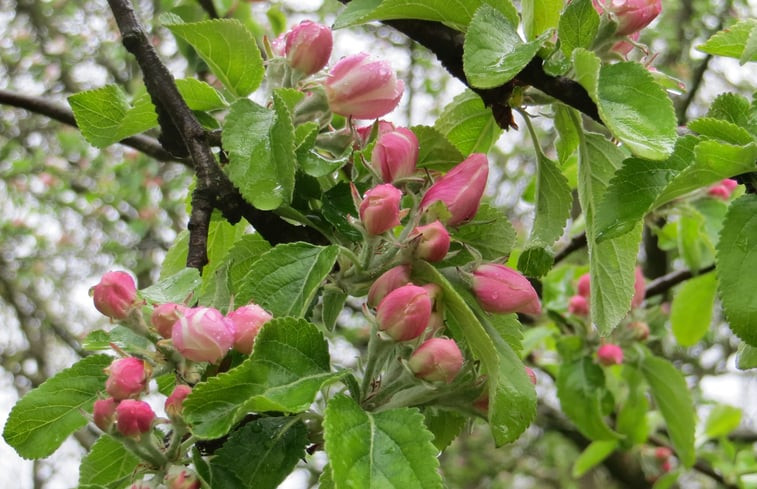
[
  {"x": 554, "y": 199},
  {"x": 723, "y": 419},
  {"x": 356, "y": 12},
  {"x": 121, "y": 336},
  {"x": 245, "y": 251},
  {"x": 337, "y": 205},
  {"x": 176, "y": 257},
  {"x": 713, "y": 161},
  {"x": 747, "y": 357},
  {"x": 612, "y": 261},
  {"x": 468, "y": 124},
  {"x": 733, "y": 108},
  {"x": 673, "y": 399},
  {"x": 535, "y": 262},
  {"x": 175, "y": 288},
  {"x": 578, "y": 26},
  {"x": 733, "y": 42},
  {"x": 632, "y": 415},
  {"x": 104, "y": 116},
  {"x": 444, "y": 425},
  {"x": 636, "y": 109},
  {"x": 377, "y": 450},
  {"x": 539, "y": 16},
  {"x": 333, "y": 304},
  {"x": 737, "y": 256},
  {"x": 227, "y": 47},
  {"x": 435, "y": 151},
  {"x": 199, "y": 95},
  {"x": 581, "y": 389},
  {"x": 285, "y": 280},
  {"x": 221, "y": 238},
  {"x": 587, "y": 65},
  {"x": 259, "y": 455},
  {"x": 45, "y": 416},
  {"x": 725, "y": 131},
  {"x": 260, "y": 143},
  {"x": 108, "y": 464},
  {"x": 592, "y": 456},
  {"x": 289, "y": 365},
  {"x": 490, "y": 232},
  {"x": 493, "y": 52},
  {"x": 635, "y": 186},
  {"x": 691, "y": 311}
]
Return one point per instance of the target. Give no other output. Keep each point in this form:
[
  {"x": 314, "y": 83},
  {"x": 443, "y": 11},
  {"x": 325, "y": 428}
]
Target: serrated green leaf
[
  {"x": 540, "y": 16},
  {"x": 444, "y": 425},
  {"x": 221, "y": 238},
  {"x": 245, "y": 251},
  {"x": 722, "y": 420},
  {"x": 632, "y": 415},
  {"x": 289, "y": 365},
  {"x": 259, "y": 455},
  {"x": 593, "y": 455},
  {"x": 227, "y": 47},
  {"x": 376, "y": 450},
  {"x": 636, "y": 185},
  {"x": 121, "y": 336},
  {"x": 493, "y": 52},
  {"x": 713, "y": 161},
  {"x": 567, "y": 143},
  {"x": 578, "y": 26},
  {"x": 733, "y": 42},
  {"x": 737, "y": 256},
  {"x": 554, "y": 199},
  {"x": 490, "y": 232},
  {"x": 285, "y": 280},
  {"x": 673, "y": 399},
  {"x": 468, "y": 124},
  {"x": 692, "y": 240},
  {"x": 535, "y": 262},
  {"x": 581, "y": 388},
  {"x": 587, "y": 66},
  {"x": 104, "y": 116},
  {"x": 333, "y": 304},
  {"x": 108, "y": 464},
  {"x": 45, "y": 416},
  {"x": 726, "y": 131},
  {"x": 747, "y": 357},
  {"x": 175, "y": 288},
  {"x": 337, "y": 205},
  {"x": 636, "y": 109},
  {"x": 435, "y": 152},
  {"x": 199, "y": 95},
  {"x": 176, "y": 257},
  {"x": 691, "y": 311},
  {"x": 734, "y": 108}
]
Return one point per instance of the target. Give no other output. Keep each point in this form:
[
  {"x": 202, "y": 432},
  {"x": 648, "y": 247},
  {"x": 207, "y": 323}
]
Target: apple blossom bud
[
  {"x": 666, "y": 466},
  {"x": 584, "y": 285},
  {"x": 404, "y": 313},
  {"x": 308, "y": 46},
  {"x": 437, "y": 359},
  {"x": 181, "y": 478},
  {"x": 723, "y": 189},
  {"x": 363, "y": 87},
  {"x": 433, "y": 243},
  {"x": 134, "y": 418},
  {"x": 164, "y": 316},
  {"x": 639, "y": 288},
  {"x": 503, "y": 290},
  {"x": 115, "y": 295},
  {"x": 364, "y": 132},
  {"x": 482, "y": 403},
  {"x": 640, "y": 330},
  {"x": 395, "y": 154},
  {"x": 625, "y": 47},
  {"x": 531, "y": 375},
  {"x": 578, "y": 305},
  {"x": 203, "y": 334},
  {"x": 175, "y": 402},
  {"x": 380, "y": 209},
  {"x": 127, "y": 378},
  {"x": 610, "y": 354},
  {"x": 104, "y": 413},
  {"x": 393, "y": 278},
  {"x": 247, "y": 322},
  {"x": 662, "y": 453},
  {"x": 729, "y": 183},
  {"x": 631, "y": 15},
  {"x": 460, "y": 189}
]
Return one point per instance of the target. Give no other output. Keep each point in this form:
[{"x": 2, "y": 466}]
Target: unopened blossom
[
  {"x": 393, "y": 278},
  {"x": 127, "y": 378},
  {"x": 115, "y": 295},
  {"x": 436, "y": 360},
  {"x": 610, "y": 354},
  {"x": 395, "y": 154},
  {"x": 175, "y": 402},
  {"x": 380, "y": 209},
  {"x": 104, "y": 413},
  {"x": 247, "y": 320},
  {"x": 460, "y": 189},
  {"x": 404, "y": 313},
  {"x": 433, "y": 241},
  {"x": 501, "y": 289},
  {"x": 363, "y": 87},
  {"x": 134, "y": 418},
  {"x": 203, "y": 334},
  {"x": 307, "y": 46},
  {"x": 578, "y": 305},
  {"x": 164, "y": 316},
  {"x": 631, "y": 15}
]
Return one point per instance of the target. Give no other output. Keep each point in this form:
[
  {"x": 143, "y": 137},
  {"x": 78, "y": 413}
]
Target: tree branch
[{"x": 666, "y": 282}]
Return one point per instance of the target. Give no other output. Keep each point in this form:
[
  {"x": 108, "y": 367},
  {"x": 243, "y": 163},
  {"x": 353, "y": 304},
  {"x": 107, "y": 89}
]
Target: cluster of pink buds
[
  {"x": 115, "y": 295},
  {"x": 579, "y": 303},
  {"x": 723, "y": 189},
  {"x": 664, "y": 455},
  {"x": 609, "y": 354},
  {"x": 127, "y": 381}
]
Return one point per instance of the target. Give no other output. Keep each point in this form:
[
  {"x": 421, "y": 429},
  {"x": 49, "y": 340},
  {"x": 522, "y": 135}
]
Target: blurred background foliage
[{"x": 70, "y": 212}]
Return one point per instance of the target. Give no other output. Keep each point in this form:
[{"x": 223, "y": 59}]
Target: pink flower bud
[
  {"x": 631, "y": 15},
  {"x": 164, "y": 316},
  {"x": 134, "y": 418},
  {"x": 115, "y": 295},
  {"x": 729, "y": 183},
  {"x": 723, "y": 189},
  {"x": 380, "y": 209},
  {"x": 181, "y": 478},
  {"x": 578, "y": 305},
  {"x": 363, "y": 87},
  {"x": 127, "y": 378},
  {"x": 433, "y": 243},
  {"x": 531, "y": 375},
  {"x": 391, "y": 279},
  {"x": 104, "y": 413},
  {"x": 247, "y": 322},
  {"x": 203, "y": 334},
  {"x": 584, "y": 285},
  {"x": 460, "y": 189},
  {"x": 175, "y": 402},
  {"x": 364, "y": 132},
  {"x": 666, "y": 466},
  {"x": 395, "y": 154},
  {"x": 640, "y": 330},
  {"x": 662, "y": 453},
  {"x": 501, "y": 289},
  {"x": 437, "y": 359},
  {"x": 404, "y": 313},
  {"x": 625, "y": 47},
  {"x": 639, "y": 288},
  {"x": 308, "y": 46},
  {"x": 609, "y": 354}
]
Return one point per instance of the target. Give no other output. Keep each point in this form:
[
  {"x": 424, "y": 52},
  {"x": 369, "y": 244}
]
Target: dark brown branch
[
  {"x": 666, "y": 282},
  {"x": 39, "y": 105},
  {"x": 576, "y": 243}
]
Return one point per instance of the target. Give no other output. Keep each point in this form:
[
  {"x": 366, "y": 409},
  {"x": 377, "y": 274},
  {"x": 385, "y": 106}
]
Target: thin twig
[
  {"x": 576, "y": 243},
  {"x": 666, "y": 282}
]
